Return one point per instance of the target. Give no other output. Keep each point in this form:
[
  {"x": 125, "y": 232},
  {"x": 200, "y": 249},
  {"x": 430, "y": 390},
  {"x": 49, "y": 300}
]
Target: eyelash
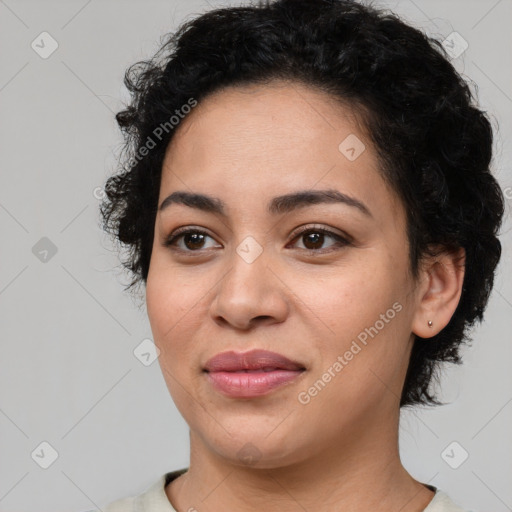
[{"x": 342, "y": 242}]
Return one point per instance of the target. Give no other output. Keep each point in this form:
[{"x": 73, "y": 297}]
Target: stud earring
[{"x": 430, "y": 324}]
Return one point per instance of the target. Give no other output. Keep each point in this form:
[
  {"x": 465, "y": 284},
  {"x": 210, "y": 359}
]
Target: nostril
[{"x": 261, "y": 318}]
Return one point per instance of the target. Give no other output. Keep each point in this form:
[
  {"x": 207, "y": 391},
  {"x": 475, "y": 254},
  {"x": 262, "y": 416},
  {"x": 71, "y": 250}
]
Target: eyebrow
[{"x": 278, "y": 205}]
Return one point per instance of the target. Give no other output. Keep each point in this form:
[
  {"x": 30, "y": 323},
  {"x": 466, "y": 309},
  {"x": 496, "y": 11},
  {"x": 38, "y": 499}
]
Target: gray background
[{"x": 68, "y": 373}]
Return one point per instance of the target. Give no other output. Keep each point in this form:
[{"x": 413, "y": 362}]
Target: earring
[{"x": 430, "y": 324}]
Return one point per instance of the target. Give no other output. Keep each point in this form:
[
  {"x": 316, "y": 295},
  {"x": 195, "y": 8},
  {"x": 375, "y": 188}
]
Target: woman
[{"x": 307, "y": 200}]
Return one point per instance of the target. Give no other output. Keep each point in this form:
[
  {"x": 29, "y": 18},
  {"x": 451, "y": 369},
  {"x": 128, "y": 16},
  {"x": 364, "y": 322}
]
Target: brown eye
[
  {"x": 192, "y": 240},
  {"x": 314, "y": 238}
]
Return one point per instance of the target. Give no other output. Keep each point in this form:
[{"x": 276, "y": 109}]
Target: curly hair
[{"x": 434, "y": 143}]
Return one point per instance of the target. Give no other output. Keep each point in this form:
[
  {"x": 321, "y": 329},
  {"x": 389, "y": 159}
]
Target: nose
[{"x": 249, "y": 294}]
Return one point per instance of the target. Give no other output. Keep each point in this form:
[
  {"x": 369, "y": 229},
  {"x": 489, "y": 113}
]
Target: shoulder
[
  {"x": 153, "y": 499},
  {"x": 443, "y": 503},
  {"x": 121, "y": 505}
]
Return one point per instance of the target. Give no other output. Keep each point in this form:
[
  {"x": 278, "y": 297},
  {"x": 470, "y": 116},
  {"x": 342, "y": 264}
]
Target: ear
[{"x": 440, "y": 287}]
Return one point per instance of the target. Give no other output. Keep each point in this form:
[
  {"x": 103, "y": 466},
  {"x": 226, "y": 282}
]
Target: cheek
[
  {"x": 366, "y": 312},
  {"x": 360, "y": 315},
  {"x": 172, "y": 306},
  {"x": 173, "y": 303},
  {"x": 351, "y": 297}
]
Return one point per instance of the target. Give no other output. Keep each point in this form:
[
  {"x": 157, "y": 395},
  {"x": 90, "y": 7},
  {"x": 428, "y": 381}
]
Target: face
[{"x": 323, "y": 281}]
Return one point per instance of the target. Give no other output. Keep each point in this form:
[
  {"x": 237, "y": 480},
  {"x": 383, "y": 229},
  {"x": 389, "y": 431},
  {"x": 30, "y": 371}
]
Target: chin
[{"x": 260, "y": 450}]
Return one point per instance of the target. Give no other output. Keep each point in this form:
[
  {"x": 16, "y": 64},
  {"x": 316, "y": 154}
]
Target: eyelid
[
  {"x": 321, "y": 228},
  {"x": 189, "y": 227}
]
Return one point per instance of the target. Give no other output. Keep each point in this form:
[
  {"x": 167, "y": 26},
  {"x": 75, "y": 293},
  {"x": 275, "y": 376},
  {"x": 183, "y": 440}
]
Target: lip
[
  {"x": 250, "y": 374},
  {"x": 253, "y": 360}
]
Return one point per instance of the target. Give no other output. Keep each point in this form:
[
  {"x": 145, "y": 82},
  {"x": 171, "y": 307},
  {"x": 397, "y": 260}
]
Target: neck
[{"x": 358, "y": 472}]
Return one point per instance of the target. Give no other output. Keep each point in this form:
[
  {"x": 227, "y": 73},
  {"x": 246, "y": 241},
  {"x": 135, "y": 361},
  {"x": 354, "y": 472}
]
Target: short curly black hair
[{"x": 434, "y": 143}]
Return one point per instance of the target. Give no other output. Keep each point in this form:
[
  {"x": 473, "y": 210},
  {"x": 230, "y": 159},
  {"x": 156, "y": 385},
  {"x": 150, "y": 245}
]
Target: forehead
[
  {"x": 272, "y": 139},
  {"x": 277, "y": 120}
]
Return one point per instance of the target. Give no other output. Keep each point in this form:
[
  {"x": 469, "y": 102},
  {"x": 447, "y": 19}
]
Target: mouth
[{"x": 251, "y": 374}]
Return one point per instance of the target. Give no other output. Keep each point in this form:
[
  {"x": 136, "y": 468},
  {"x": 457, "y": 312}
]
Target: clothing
[{"x": 154, "y": 499}]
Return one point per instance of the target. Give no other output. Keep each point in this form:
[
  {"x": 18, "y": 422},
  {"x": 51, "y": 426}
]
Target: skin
[{"x": 246, "y": 145}]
